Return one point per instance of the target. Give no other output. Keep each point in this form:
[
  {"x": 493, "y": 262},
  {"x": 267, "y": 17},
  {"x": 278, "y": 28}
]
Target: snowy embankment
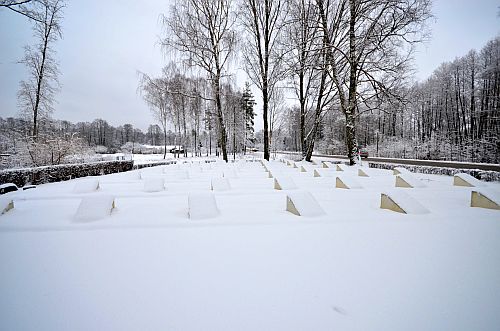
[{"x": 245, "y": 260}]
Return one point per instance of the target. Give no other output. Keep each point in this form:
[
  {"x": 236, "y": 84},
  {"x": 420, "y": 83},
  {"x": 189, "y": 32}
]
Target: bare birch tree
[
  {"x": 23, "y": 7},
  {"x": 154, "y": 91},
  {"x": 369, "y": 45},
  {"x": 263, "y": 20},
  {"x": 202, "y": 32},
  {"x": 36, "y": 94}
]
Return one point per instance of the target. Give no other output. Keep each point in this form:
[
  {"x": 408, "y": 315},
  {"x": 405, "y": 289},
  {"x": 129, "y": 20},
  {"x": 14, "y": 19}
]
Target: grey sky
[{"x": 106, "y": 42}]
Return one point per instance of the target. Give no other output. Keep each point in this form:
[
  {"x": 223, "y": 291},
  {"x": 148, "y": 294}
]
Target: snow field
[{"x": 247, "y": 263}]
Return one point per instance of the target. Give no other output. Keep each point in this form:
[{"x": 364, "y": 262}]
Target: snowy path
[{"x": 256, "y": 266}]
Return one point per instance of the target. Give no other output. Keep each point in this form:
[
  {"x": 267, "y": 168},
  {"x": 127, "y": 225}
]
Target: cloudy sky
[{"x": 105, "y": 43}]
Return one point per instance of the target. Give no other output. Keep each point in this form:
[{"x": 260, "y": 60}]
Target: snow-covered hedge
[
  {"x": 488, "y": 176},
  {"x": 153, "y": 164},
  {"x": 57, "y": 173}
]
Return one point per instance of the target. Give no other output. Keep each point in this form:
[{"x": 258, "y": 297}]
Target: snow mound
[
  {"x": 485, "y": 198},
  {"x": 230, "y": 173},
  {"x": 408, "y": 181},
  {"x": 284, "y": 183},
  {"x": 400, "y": 170},
  {"x": 307, "y": 168},
  {"x": 6, "y": 204},
  {"x": 342, "y": 167},
  {"x": 154, "y": 184},
  {"x": 220, "y": 184},
  {"x": 347, "y": 182},
  {"x": 401, "y": 202},
  {"x": 202, "y": 205},
  {"x": 95, "y": 207},
  {"x": 326, "y": 164},
  {"x": 86, "y": 186},
  {"x": 176, "y": 173},
  {"x": 364, "y": 172},
  {"x": 302, "y": 203},
  {"x": 462, "y": 179},
  {"x": 324, "y": 172}
]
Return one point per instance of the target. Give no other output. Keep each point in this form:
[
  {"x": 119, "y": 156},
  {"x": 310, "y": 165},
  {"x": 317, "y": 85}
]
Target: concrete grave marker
[
  {"x": 347, "y": 182},
  {"x": 86, "y": 185},
  {"x": 466, "y": 180},
  {"x": 302, "y": 203},
  {"x": 6, "y": 204},
  {"x": 401, "y": 202},
  {"x": 154, "y": 184},
  {"x": 408, "y": 181},
  {"x": 95, "y": 207},
  {"x": 284, "y": 183},
  {"x": 485, "y": 198},
  {"x": 202, "y": 206}
]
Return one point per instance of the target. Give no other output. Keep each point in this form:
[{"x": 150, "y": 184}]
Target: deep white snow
[{"x": 251, "y": 265}]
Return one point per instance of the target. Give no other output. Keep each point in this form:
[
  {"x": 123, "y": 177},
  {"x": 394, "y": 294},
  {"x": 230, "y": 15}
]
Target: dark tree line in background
[{"x": 78, "y": 142}]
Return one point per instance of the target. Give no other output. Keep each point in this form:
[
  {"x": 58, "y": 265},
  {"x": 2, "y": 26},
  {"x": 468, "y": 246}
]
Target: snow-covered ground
[{"x": 254, "y": 265}]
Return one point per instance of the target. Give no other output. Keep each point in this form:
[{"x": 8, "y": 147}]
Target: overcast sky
[{"x": 105, "y": 43}]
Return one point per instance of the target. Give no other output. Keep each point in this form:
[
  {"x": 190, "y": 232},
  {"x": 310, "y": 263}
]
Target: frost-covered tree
[
  {"x": 201, "y": 31},
  {"x": 369, "y": 48},
  {"x": 263, "y": 21},
  {"x": 36, "y": 93}
]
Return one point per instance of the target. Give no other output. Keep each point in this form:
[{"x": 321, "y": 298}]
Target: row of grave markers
[
  {"x": 302, "y": 203},
  {"x": 396, "y": 200}
]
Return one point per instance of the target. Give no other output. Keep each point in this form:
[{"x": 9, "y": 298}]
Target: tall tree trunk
[
  {"x": 220, "y": 118},
  {"x": 350, "y": 111},
  {"x": 266, "y": 124}
]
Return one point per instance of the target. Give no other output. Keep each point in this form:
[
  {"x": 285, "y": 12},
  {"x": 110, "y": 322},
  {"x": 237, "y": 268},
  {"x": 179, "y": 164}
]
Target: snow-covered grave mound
[
  {"x": 401, "y": 202},
  {"x": 467, "y": 180},
  {"x": 6, "y": 203},
  {"x": 325, "y": 172},
  {"x": 86, "y": 185},
  {"x": 368, "y": 172},
  {"x": 347, "y": 182},
  {"x": 176, "y": 174},
  {"x": 302, "y": 203},
  {"x": 407, "y": 180},
  {"x": 485, "y": 198},
  {"x": 342, "y": 167},
  {"x": 328, "y": 164},
  {"x": 95, "y": 207},
  {"x": 305, "y": 167},
  {"x": 220, "y": 184},
  {"x": 284, "y": 183},
  {"x": 154, "y": 184},
  {"x": 230, "y": 173},
  {"x": 202, "y": 205},
  {"x": 400, "y": 170}
]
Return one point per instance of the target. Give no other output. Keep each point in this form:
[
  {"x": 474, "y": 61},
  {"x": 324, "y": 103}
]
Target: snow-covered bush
[
  {"x": 56, "y": 173},
  {"x": 485, "y": 175}
]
